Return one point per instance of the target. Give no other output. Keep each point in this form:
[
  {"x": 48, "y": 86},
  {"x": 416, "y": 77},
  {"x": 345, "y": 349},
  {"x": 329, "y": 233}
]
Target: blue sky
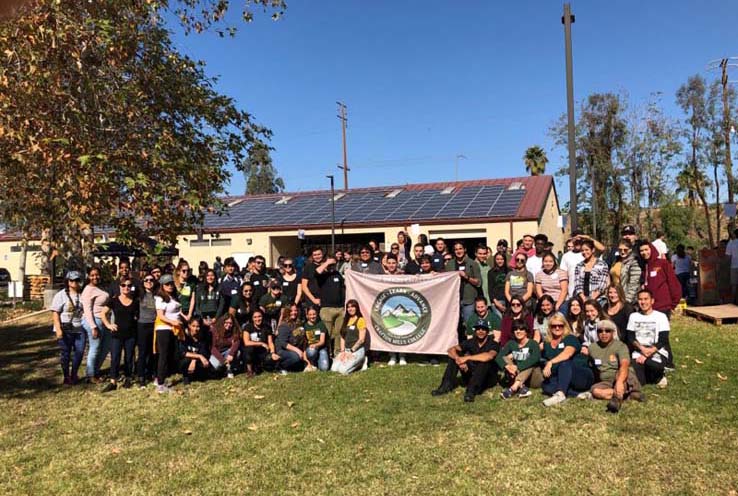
[{"x": 427, "y": 80}]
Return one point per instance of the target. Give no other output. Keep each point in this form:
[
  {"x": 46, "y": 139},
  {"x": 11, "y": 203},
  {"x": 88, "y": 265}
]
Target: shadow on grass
[{"x": 29, "y": 361}]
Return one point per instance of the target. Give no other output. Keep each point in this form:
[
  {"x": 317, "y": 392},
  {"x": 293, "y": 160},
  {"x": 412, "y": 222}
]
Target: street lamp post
[{"x": 333, "y": 216}]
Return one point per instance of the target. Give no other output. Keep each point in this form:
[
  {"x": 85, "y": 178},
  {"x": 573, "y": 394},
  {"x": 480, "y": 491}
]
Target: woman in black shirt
[
  {"x": 258, "y": 344},
  {"x": 242, "y": 305},
  {"x": 124, "y": 331},
  {"x": 496, "y": 284},
  {"x": 194, "y": 353},
  {"x": 290, "y": 283},
  {"x": 618, "y": 310}
]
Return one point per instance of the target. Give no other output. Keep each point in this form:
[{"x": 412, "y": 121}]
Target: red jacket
[{"x": 662, "y": 281}]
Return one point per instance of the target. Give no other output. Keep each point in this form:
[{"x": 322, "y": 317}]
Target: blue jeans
[
  {"x": 290, "y": 361},
  {"x": 68, "y": 344},
  {"x": 352, "y": 364},
  {"x": 318, "y": 355},
  {"x": 568, "y": 378},
  {"x": 99, "y": 347}
]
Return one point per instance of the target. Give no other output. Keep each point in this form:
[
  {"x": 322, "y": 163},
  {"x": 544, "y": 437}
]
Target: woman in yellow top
[{"x": 353, "y": 335}]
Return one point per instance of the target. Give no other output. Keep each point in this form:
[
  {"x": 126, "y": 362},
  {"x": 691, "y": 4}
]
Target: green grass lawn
[{"x": 374, "y": 432}]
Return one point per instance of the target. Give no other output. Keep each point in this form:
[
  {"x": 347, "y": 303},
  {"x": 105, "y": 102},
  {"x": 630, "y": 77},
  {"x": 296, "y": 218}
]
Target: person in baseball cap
[
  {"x": 474, "y": 358},
  {"x": 73, "y": 275}
]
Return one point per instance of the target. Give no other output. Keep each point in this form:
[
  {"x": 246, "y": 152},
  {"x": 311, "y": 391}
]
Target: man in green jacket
[{"x": 471, "y": 280}]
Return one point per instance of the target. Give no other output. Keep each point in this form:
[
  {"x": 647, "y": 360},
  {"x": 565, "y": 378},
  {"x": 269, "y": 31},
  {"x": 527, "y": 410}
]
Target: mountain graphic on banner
[{"x": 400, "y": 311}]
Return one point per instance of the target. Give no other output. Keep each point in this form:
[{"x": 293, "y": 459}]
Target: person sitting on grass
[
  {"x": 474, "y": 358},
  {"x": 648, "y": 339},
  {"x": 565, "y": 372},
  {"x": 482, "y": 312},
  {"x": 194, "y": 353},
  {"x": 353, "y": 336},
  {"x": 288, "y": 342},
  {"x": 226, "y": 342},
  {"x": 616, "y": 380},
  {"x": 545, "y": 308},
  {"x": 592, "y": 316},
  {"x": 316, "y": 353},
  {"x": 515, "y": 311},
  {"x": 67, "y": 315},
  {"x": 519, "y": 360},
  {"x": 257, "y": 344}
]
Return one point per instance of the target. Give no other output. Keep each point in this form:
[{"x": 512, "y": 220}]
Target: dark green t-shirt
[
  {"x": 550, "y": 352},
  {"x": 491, "y": 318},
  {"x": 606, "y": 360},
  {"x": 185, "y": 296},
  {"x": 526, "y": 357},
  {"x": 272, "y": 306},
  {"x": 314, "y": 331}
]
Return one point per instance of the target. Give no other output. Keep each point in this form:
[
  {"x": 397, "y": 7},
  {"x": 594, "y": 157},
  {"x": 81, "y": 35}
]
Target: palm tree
[{"x": 535, "y": 160}]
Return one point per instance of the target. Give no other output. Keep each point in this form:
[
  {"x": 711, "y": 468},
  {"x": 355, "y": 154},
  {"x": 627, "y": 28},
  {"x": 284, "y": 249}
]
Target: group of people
[{"x": 528, "y": 318}]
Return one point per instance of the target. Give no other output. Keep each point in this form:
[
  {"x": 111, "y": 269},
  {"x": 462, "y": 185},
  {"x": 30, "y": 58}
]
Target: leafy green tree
[
  {"x": 104, "y": 123},
  {"x": 535, "y": 160},
  {"x": 261, "y": 177}
]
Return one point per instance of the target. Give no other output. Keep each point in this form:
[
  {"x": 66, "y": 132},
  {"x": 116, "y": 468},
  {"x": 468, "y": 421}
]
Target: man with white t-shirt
[
  {"x": 648, "y": 340},
  {"x": 570, "y": 260},
  {"x": 535, "y": 262},
  {"x": 732, "y": 251},
  {"x": 660, "y": 244}
]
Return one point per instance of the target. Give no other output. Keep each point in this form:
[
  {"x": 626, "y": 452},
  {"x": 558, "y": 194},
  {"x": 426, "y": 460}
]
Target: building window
[
  {"x": 199, "y": 242},
  {"x": 220, "y": 242}
]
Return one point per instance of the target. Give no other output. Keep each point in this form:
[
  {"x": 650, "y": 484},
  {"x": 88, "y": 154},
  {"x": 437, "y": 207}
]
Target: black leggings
[
  {"x": 145, "y": 365},
  {"x": 165, "y": 347}
]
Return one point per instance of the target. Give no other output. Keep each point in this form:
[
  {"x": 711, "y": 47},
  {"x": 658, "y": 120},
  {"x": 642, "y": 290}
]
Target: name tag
[
  {"x": 254, "y": 336},
  {"x": 336, "y": 279},
  {"x": 598, "y": 362},
  {"x": 285, "y": 284},
  {"x": 234, "y": 291},
  {"x": 278, "y": 303},
  {"x": 462, "y": 267},
  {"x": 652, "y": 273},
  {"x": 436, "y": 260},
  {"x": 133, "y": 288},
  {"x": 560, "y": 346},
  {"x": 317, "y": 333},
  {"x": 554, "y": 276},
  {"x": 364, "y": 265},
  {"x": 352, "y": 327},
  {"x": 257, "y": 283}
]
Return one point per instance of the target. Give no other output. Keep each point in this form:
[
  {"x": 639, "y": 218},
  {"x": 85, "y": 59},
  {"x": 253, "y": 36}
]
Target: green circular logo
[{"x": 401, "y": 315}]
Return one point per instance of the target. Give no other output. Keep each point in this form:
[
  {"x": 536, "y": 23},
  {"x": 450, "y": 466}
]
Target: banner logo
[{"x": 401, "y": 315}]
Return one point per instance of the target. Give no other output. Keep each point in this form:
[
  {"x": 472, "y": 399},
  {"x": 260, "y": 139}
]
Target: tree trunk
[
  {"x": 726, "y": 132},
  {"x": 706, "y": 207},
  {"x": 718, "y": 223},
  {"x": 22, "y": 263}
]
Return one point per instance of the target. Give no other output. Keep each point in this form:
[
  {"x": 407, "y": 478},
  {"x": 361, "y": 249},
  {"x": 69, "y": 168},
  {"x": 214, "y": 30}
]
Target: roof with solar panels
[{"x": 485, "y": 200}]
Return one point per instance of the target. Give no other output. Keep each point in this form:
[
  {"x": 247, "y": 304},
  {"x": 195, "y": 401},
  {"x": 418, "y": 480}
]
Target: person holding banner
[
  {"x": 353, "y": 335},
  {"x": 474, "y": 358},
  {"x": 413, "y": 266},
  {"x": 471, "y": 279}
]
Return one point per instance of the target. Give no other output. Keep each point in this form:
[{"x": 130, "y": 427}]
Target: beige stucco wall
[
  {"x": 11, "y": 259},
  {"x": 549, "y": 222}
]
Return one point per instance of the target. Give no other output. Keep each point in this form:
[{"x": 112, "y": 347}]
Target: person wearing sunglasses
[
  {"x": 515, "y": 311},
  {"x": 242, "y": 306},
  {"x": 259, "y": 278},
  {"x": 627, "y": 272},
  {"x": 565, "y": 372},
  {"x": 519, "y": 359},
  {"x": 290, "y": 283},
  {"x": 610, "y": 359},
  {"x": 167, "y": 329},
  {"x": 67, "y": 315},
  {"x": 366, "y": 264},
  {"x": 518, "y": 281},
  {"x": 125, "y": 312},
  {"x": 186, "y": 286},
  {"x": 124, "y": 272},
  {"x": 146, "y": 362}
]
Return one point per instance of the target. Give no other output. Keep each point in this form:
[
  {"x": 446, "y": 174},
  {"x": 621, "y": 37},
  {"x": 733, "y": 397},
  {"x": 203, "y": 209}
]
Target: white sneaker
[
  {"x": 163, "y": 389},
  {"x": 584, "y": 396},
  {"x": 402, "y": 360},
  {"x": 662, "y": 383},
  {"x": 229, "y": 375},
  {"x": 156, "y": 381},
  {"x": 283, "y": 372},
  {"x": 558, "y": 397},
  {"x": 392, "y": 361},
  {"x": 366, "y": 363}
]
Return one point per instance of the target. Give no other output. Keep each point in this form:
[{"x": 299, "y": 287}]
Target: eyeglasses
[
  {"x": 520, "y": 260},
  {"x": 259, "y": 262},
  {"x": 149, "y": 279},
  {"x": 185, "y": 271},
  {"x": 556, "y": 326},
  {"x": 168, "y": 284},
  {"x": 516, "y": 304},
  {"x": 602, "y": 331},
  {"x": 247, "y": 291},
  {"x": 287, "y": 265},
  {"x": 365, "y": 252},
  {"x": 126, "y": 285},
  {"x": 520, "y": 330}
]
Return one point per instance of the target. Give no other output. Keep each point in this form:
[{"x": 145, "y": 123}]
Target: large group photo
[{"x": 266, "y": 247}]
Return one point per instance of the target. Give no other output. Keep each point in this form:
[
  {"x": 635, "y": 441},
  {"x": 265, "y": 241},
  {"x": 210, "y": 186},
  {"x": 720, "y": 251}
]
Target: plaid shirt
[{"x": 599, "y": 278}]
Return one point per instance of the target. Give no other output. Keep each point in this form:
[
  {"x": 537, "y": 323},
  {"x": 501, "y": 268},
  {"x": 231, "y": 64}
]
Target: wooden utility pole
[
  {"x": 567, "y": 19},
  {"x": 342, "y": 116},
  {"x": 724, "y": 63}
]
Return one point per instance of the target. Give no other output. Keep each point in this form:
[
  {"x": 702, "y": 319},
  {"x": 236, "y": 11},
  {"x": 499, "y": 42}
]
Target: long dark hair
[
  {"x": 596, "y": 305},
  {"x": 219, "y": 330},
  {"x": 539, "y": 313},
  {"x": 346, "y": 316},
  {"x": 496, "y": 268},
  {"x": 523, "y": 312},
  {"x": 161, "y": 293},
  {"x": 204, "y": 286},
  {"x": 522, "y": 324},
  {"x": 575, "y": 319}
]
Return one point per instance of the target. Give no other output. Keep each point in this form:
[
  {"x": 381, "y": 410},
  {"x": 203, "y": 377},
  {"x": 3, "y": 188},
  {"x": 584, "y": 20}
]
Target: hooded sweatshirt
[{"x": 660, "y": 278}]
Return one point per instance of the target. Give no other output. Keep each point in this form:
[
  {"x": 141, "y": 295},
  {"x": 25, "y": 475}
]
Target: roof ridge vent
[
  {"x": 337, "y": 196},
  {"x": 235, "y": 202},
  {"x": 448, "y": 191},
  {"x": 515, "y": 186}
]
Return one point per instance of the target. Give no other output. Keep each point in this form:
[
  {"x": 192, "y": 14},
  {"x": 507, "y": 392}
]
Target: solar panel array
[{"x": 372, "y": 207}]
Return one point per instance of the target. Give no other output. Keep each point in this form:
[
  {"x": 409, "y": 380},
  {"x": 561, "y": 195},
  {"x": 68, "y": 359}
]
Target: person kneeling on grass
[
  {"x": 474, "y": 358},
  {"x": 288, "y": 341},
  {"x": 611, "y": 362},
  {"x": 258, "y": 345},
  {"x": 519, "y": 359},
  {"x": 316, "y": 352},
  {"x": 648, "y": 339},
  {"x": 353, "y": 335},
  {"x": 194, "y": 353},
  {"x": 226, "y": 341},
  {"x": 566, "y": 372}
]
